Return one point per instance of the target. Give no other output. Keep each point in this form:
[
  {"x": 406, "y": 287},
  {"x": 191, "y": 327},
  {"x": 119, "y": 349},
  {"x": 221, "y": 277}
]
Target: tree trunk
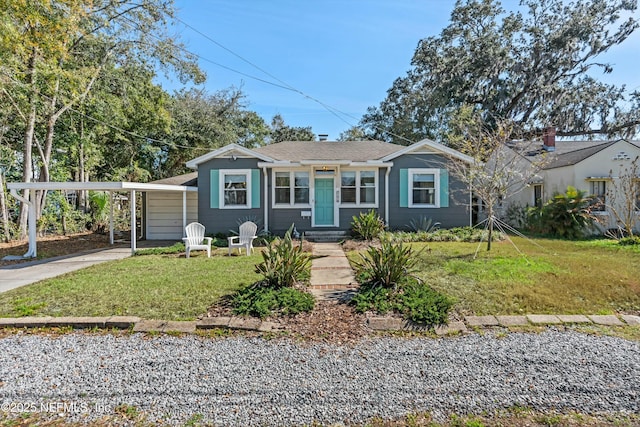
[
  {"x": 4, "y": 212},
  {"x": 490, "y": 228},
  {"x": 27, "y": 171}
]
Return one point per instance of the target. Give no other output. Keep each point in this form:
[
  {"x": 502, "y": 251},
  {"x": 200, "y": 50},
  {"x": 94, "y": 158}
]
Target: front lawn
[
  {"x": 152, "y": 286},
  {"x": 589, "y": 277}
]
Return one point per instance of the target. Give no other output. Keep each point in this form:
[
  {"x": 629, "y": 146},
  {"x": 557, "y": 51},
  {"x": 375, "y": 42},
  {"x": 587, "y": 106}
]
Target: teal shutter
[
  {"x": 444, "y": 188},
  {"x": 214, "y": 182},
  {"x": 404, "y": 188},
  {"x": 255, "y": 188}
]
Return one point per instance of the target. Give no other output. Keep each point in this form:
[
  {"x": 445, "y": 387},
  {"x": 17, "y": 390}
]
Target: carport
[{"x": 111, "y": 187}]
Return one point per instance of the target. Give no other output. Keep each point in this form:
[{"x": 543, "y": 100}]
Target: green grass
[
  {"x": 153, "y": 287},
  {"x": 587, "y": 277}
]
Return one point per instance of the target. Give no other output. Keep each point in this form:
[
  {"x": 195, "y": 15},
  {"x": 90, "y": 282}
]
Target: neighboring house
[
  {"x": 163, "y": 210},
  {"x": 322, "y": 185},
  {"x": 594, "y": 167}
]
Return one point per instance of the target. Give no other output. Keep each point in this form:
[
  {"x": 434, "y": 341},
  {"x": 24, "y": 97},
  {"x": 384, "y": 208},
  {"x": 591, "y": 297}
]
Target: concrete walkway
[
  {"x": 332, "y": 277},
  {"x": 26, "y": 273}
]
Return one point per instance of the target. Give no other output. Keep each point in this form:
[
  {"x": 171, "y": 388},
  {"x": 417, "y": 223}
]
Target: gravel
[{"x": 252, "y": 381}]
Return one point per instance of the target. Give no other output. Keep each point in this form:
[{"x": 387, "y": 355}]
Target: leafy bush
[
  {"x": 372, "y": 297},
  {"x": 423, "y": 224},
  {"x": 367, "y": 226},
  {"x": 263, "y": 301},
  {"x": 420, "y": 303},
  {"x": 284, "y": 264},
  {"x": 457, "y": 234},
  {"x": 388, "y": 266},
  {"x": 389, "y": 284},
  {"x": 416, "y": 301},
  {"x": 566, "y": 215}
]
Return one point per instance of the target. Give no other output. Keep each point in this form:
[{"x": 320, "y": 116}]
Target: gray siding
[
  {"x": 280, "y": 219},
  {"x": 223, "y": 220},
  {"x": 456, "y": 215}
]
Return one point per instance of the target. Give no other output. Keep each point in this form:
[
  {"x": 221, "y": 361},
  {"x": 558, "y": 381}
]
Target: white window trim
[
  {"x": 358, "y": 187},
  {"x": 436, "y": 187},
  {"x": 223, "y": 173},
  {"x": 291, "y": 204}
]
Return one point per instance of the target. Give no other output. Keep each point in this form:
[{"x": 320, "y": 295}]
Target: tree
[
  {"x": 280, "y": 131},
  {"x": 623, "y": 196},
  {"x": 56, "y": 50},
  {"x": 498, "y": 170},
  {"x": 202, "y": 122},
  {"x": 534, "y": 69},
  {"x": 354, "y": 133}
]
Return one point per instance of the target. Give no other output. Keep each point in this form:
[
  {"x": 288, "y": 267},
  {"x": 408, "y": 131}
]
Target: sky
[{"x": 343, "y": 54}]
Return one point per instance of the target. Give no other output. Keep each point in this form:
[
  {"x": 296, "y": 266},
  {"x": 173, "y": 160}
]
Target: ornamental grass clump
[
  {"x": 389, "y": 283},
  {"x": 284, "y": 268},
  {"x": 283, "y": 263},
  {"x": 367, "y": 226}
]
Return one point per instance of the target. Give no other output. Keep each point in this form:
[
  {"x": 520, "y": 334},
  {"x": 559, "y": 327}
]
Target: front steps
[{"x": 327, "y": 236}]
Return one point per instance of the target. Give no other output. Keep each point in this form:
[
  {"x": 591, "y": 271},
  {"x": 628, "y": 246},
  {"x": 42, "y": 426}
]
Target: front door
[{"x": 323, "y": 205}]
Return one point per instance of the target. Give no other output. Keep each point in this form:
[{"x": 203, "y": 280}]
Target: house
[
  {"x": 321, "y": 185},
  {"x": 164, "y": 212},
  {"x": 595, "y": 167}
]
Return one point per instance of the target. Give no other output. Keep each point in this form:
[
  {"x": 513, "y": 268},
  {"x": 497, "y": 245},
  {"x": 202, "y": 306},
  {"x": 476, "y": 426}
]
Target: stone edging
[{"x": 375, "y": 323}]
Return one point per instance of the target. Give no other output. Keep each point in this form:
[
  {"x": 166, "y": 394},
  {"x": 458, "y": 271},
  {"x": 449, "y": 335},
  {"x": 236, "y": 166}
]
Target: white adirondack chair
[
  {"x": 245, "y": 238},
  {"x": 195, "y": 239}
]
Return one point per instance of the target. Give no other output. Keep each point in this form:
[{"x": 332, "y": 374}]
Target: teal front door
[{"x": 324, "y": 201}]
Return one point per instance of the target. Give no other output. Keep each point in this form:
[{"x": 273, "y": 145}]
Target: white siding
[{"x": 164, "y": 214}]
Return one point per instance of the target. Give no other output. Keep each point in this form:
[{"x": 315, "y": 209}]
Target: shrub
[
  {"x": 566, "y": 215},
  {"x": 284, "y": 264},
  {"x": 456, "y": 234},
  {"x": 388, "y": 284},
  {"x": 372, "y": 297},
  {"x": 423, "y": 224},
  {"x": 388, "y": 265},
  {"x": 420, "y": 303},
  {"x": 263, "y": 301},
  {"x": 367, "y": 226}
]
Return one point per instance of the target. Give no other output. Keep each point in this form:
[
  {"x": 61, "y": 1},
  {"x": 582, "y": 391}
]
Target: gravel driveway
[{"x": 251, "y": 381}]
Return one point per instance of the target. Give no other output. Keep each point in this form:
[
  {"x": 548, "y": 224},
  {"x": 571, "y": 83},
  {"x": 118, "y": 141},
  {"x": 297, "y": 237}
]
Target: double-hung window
[
  {"x": 358, "y": 188},
  {"x": 424, "y": 187},
  {"x": 291, "y": 188},
  {"x": 235, "y": 189}
]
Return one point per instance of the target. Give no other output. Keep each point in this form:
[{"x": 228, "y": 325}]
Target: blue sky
[{"x": 343, "y": 53}]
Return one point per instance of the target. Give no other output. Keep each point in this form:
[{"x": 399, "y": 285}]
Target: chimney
[
  {"x": 323, "y": 136},
  {"x": 549, "y": 139}
]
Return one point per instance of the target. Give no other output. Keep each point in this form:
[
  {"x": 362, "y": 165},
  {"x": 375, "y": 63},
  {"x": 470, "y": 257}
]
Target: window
[
  {"x": 598, "y": 192},
  {"x": 424, "y": 188},
  {"x": 235, "y": 191},
  {"x": 291, "y": 188},
  {"x": 537, "y": 195},
  {"x": 358, "y": 187}
]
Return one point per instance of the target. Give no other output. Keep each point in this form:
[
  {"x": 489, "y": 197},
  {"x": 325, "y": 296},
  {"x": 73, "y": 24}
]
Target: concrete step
[{"x": 325, "y": 236}]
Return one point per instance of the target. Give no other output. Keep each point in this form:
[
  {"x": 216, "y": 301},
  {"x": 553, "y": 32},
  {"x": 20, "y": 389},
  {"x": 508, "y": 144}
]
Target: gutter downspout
[
  {"x": 266, "y": 199},
  {"x": 32, "y": 252},
  {"x": 386, "y": 195}
]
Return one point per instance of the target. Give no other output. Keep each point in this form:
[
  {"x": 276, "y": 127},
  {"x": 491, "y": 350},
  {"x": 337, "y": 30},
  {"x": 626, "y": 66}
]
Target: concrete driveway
[{"x": 16, "y": 275}]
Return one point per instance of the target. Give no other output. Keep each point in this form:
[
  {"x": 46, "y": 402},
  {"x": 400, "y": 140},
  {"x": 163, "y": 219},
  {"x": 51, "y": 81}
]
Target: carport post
[
  {"x": 111, "y": 217},
  {"x": 32, "y": 252},
  {"x": 133, "y": 222}
]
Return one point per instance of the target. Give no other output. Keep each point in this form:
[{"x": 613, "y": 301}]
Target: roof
[
  {"x": 187, "y": 179},
  {"x": 567, "y": 153},
  {"x": 356, "y": 151}
]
